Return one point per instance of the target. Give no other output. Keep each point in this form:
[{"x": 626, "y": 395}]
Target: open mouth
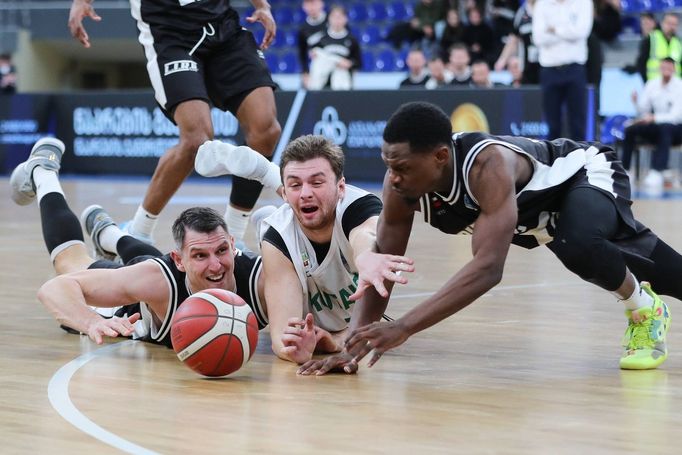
[
  {"x": 216, "y": 278},
  {"x": 308, "y": 210}
]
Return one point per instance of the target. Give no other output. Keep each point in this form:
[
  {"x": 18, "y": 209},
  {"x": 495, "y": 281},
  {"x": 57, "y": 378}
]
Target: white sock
[
  {"x": 638, "y": 299},
  {"x": 143, "y": 223},
  {"x": 220, "y": 158},
  {"x": 46, "y": 181},
  {"x": 237, "y": 221},
  {"x": 109, "y": 236}
]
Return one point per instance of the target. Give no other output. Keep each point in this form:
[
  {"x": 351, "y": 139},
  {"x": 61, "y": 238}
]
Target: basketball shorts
[{"x": 219, "y": 63}]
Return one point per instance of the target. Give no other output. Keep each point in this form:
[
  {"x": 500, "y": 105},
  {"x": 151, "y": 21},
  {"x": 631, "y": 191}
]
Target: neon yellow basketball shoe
[{"x": 644, "y": 339}]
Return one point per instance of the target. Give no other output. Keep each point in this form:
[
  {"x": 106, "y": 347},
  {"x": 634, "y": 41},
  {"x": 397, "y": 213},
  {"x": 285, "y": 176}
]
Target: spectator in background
[
  {"x": 336, "y": 55},
  {"x": 440, "y": 77},
  {"x": 479, "y": 37},
  {"x": 8, "y": 75},
  {"x": 309, "y": 33},
  {"x": 514, "y": 68},
  {"x": 560, "y": 31},
  {"x": 647, "y": 24},
  {"x": 480, "y": 74},
  {"x": 659, "y": 122},
  {"x": 501, "y": 15},
  {"x": 422, "y": 25},
  {"x": 605, "y": 28},
  {"x": 520, "y": 42},
  {"x": 458, "y": 64},
  {"x": 452, "y": 33},
  {"x": 416, "y": 64},
  {"x": 659, "y": 44}
]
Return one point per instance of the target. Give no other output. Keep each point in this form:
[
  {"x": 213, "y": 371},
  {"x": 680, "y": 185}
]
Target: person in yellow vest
[{"x": 659, "y": 44}]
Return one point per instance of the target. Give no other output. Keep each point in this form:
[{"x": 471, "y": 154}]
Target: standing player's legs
[
  {"x": 588, "y": 221},
  {"x": 257, "y": 115},
  {"x": 193, "y": 118},
  {"x": 38, "y": 177}
]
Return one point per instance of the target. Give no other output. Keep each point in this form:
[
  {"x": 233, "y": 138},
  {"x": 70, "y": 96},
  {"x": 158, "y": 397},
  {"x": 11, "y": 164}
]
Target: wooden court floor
[{"x": 531, "y": 368}]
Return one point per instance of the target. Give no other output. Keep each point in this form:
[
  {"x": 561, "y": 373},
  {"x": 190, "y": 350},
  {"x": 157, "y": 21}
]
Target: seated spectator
[
  {"x": 452, "y": 33},
  {"x": 418, "y": 74},
  {"x": 422, "y": 25},
  {"x": 335, "y": 56},
  {"x": 514, "y": 68},
  {"x": 660, "y": 43},
  {"x": 480, "y": 74},
  {"x": 309, "y": 33},
  {"x": 479, "y": 37},
  {"x": 440, "y": 75},
  {"x": 659, "y": 122},
  {"x": 520, "y": 43},
  {"x": 8, "y": 75},
  {"x": 647, "y": 24},
  {"x": 458, "y": 64}
]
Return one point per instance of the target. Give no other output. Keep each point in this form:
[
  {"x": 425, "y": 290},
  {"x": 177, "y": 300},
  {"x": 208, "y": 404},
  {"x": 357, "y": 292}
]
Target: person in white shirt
[
  {"x": 560, "y": 31},
  {"x": 659, "y": 122}
]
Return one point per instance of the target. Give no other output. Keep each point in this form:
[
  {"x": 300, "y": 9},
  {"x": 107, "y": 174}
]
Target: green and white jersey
[{"x": 327, "y": 278}]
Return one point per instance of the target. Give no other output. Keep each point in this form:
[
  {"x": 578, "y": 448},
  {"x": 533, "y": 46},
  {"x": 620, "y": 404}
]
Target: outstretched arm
[
  {"x": 80, "y": 9},
  {"x": 492, "y": 181},
  {"x": 69, "y": 296}
]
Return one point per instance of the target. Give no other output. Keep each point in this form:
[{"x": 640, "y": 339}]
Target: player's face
[
  {"x": 312, "y": 191},
  {"x": 413, "y": 174},
  {"x": 208, "y": 260}
]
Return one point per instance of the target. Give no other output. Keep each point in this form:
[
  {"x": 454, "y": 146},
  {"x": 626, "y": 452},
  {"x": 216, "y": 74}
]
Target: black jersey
[
  {"x": 309, "y": 33},
  {"x": 184, "y": 14},
  {"x": 523, "y": 28},
  {"x": 247, "y": 269},
  {"x": 558, "y": 166},
  {"x": 344, "y": 45}
]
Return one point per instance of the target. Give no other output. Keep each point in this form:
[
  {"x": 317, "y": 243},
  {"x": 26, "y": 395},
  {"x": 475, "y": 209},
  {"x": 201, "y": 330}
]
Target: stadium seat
[
  {"x": 273, "y": 62},
  {"x": 368, "y": 61},
  {"x": 371, "y": 35},
  {"x": 288, "y": 63},
  {"x": 396, "y": 11},
  {"x": 612, "y": 129},
  {"x": 289, "y": 37},
  {"x": 357, "y": 12},
  {"x": 377, "y": 12},
  {"x": 283, "y": 16},
  {"x": 385, "y": 61}
]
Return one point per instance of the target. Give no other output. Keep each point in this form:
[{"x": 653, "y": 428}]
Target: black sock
[
  {"x": 129, "y": 248},
  {"x": 60, "y": 224}
]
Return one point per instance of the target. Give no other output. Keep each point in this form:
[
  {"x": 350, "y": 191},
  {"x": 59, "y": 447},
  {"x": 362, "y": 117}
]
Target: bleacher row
[{"x": 370, "y": 22}]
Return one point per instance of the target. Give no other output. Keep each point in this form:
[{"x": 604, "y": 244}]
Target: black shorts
[{"x": 219, "y": 63}]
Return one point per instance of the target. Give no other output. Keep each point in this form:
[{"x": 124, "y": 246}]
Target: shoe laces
[{"x": 640, "y": 334}]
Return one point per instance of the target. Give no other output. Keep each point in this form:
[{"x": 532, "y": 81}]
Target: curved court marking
[
  {"x": 58, "y": 388},
  {"x": 58, "y": 393}
]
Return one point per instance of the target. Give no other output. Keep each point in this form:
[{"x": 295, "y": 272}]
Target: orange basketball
[{"x": 214, "y": 332}]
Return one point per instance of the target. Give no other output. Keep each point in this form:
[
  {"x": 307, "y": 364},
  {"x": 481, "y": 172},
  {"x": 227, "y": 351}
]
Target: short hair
[
  {"x": 668, "y": 59},
  {"x": 458, "y": 46},
  {"x": 198, "y": 219},
  {"x": 311, "y": 146},
  {"x": 340, "y": 7},
  {"x": 422, "y": 125}
]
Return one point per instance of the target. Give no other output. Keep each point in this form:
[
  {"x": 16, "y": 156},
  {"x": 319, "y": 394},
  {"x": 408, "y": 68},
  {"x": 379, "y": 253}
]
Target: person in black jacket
[{"x": 310, "y": 32}]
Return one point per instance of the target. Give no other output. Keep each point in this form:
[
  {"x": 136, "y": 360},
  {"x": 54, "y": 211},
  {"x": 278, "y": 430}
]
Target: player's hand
[
  {"x": 81, "y": 9},
  {"x": 325, "y": 341},
  {"x": 374, "y": 268},
  {"x": 264, "y": 16},
  {"x": 343, "y": 362},
  {"x": 299, "y": 339},
  {"x": 112, "y": 327},
  {"x": 376, "y": 338}
]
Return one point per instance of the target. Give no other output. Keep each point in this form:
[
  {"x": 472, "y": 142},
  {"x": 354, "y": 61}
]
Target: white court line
[
  {"x": 58, "y": 393},
  {"x": 58, "y": 388}
]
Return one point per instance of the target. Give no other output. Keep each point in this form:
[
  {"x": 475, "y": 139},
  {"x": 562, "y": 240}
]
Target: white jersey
[{"x": 326, "y": 286}]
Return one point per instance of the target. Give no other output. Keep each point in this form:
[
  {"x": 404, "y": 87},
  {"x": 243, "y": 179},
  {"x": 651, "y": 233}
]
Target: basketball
[{"x": 214, "y": 332}]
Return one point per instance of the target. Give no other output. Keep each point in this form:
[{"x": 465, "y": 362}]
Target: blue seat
[
  {"x": 377, "y": 11},
  {"x": 368, "y": 61},
  {"x": 371, "y": 35},
  {"x": 613, "y": 129},
  {"x": 283, "y": 16},
  {"x": 396, "y": 11},
  {"x": 288, "y": 63},
  {"x": 385, "y": 61},
  {"x": 357, "y": 12},
  {"x": 272, "y": 61}
]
